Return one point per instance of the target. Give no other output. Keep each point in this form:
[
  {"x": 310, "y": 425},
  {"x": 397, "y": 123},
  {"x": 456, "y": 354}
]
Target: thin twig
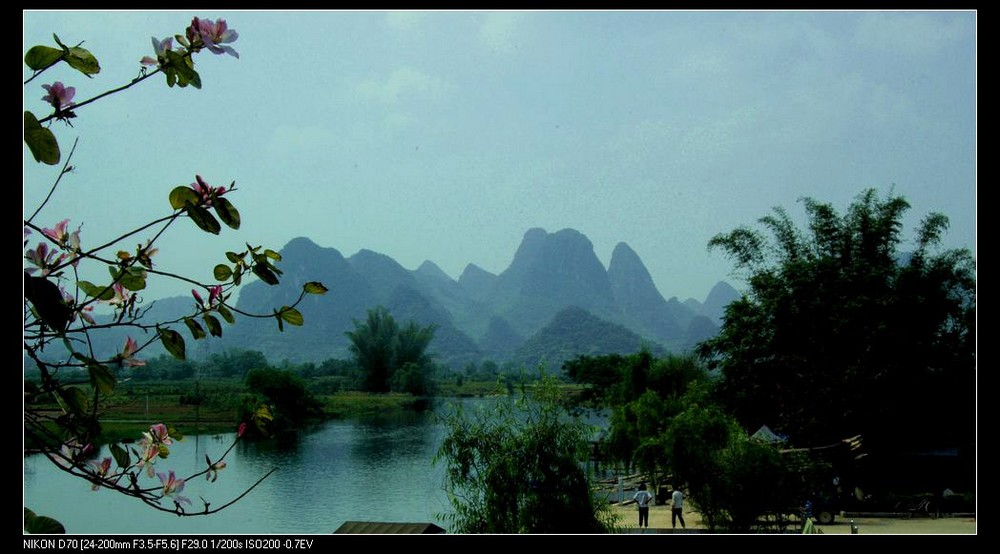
[{"x": 55, "y": 184}]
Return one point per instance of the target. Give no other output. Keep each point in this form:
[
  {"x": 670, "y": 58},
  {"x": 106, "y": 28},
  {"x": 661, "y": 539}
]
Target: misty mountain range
[{"x": 555, "y": 301}]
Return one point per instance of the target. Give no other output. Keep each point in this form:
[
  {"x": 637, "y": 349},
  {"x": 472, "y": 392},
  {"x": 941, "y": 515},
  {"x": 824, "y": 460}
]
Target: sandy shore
[{"x": 659, "y": 518}]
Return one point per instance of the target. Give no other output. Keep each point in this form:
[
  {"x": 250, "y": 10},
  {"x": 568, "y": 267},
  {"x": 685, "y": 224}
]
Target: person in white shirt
[
  {"x": 677, "y": 511},
  {"x": 642, "y": 499}
]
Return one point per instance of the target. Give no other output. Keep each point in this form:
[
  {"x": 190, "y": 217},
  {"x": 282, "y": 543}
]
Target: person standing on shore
[
  {"x": 677, "y": 508},
  {"x": 642, "y": 499}
]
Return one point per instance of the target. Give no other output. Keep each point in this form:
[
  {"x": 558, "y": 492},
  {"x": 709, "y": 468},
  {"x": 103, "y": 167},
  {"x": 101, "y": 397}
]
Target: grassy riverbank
[{"x": 212, "y": 405}]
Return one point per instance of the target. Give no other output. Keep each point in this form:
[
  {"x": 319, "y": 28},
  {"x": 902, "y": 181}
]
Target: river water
[{"x": 375, "y": 469}]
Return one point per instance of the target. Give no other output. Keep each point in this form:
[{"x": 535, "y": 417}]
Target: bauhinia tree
[{"x": 62, "y": 413}]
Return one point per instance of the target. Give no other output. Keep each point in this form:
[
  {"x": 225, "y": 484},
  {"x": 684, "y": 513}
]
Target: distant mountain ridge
[{"x": 554, "y": 301}]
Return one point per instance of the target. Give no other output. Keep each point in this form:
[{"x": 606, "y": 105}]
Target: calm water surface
[{"x": 377, "y": 469}]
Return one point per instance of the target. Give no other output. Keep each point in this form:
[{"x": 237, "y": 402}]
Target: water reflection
[
  {"x": 380, "y": 439},
  {"x": 377, "y": 469}
]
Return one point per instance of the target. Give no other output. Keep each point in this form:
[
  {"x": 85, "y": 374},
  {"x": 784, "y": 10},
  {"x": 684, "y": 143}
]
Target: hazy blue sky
[{"x": 446, "y": 135}]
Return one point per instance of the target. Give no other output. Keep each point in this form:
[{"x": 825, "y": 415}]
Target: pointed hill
[
  {"x": 718, "y": 298},
  {"x": 450, "y": 345},
  {"x": 500, "y": 339},
  {"x": 550, "y": 272},
  {"x": 480, "y": 315},
  {"x": 477, "y": 282},
  {"x": 573, "y": 332},
  {"x": 642, "y": 306}
]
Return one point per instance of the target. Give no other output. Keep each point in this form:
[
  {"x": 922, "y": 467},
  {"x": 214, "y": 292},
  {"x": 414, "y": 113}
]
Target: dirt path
[{"x": 659, "y": 518}]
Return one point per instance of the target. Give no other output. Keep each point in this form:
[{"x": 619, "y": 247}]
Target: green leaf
[
  {"x": 48, "y": 302},
  {"x": 196, "y": 331},
  {"x": 227, "y": 212},
  {"x": 180, "y": 70},
  {"x": 314, "y": 287},
  {"x": 272, "y": 254},
  {"x": 222, "y": 272},
  {"x": 121, "y": 455},
  {"x": 133, "y": 278},
  {"x": 101, "y": 378},
  {"x": 95, "y": 291},
  {"x": 237, "y": 278},
  {"x": 214, "y": 327},
  {"x": 83, "y": 61},
  {"x": 265, "y": 274},
  {"x": 181, "y": 195},
  {"x": 203, "y": 219},
  {"x": 291, "y": 315},
  {"x": 40, "y": 140},
  {"x": 72, "y": 399},
  {"x": 41, "y": 525},
  {"x": 172, "y": 341},
  {"x": 39, "y": 57},
  {"x": 59, "y": 42},
  {"x": 234, "y": 257},
  {"x": 281, "y": 323},
  {"x": 226, "y": 314}
]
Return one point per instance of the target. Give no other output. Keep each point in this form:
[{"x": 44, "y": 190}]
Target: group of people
[{"x": 644, "y": 498}]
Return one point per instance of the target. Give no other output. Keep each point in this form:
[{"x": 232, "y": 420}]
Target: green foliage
[
  {"x": 382, "y": 349},
  {"x": 60, "y": 415},
  {"x": 40, "y": 57},
  {"x": 203, "y": 219},
  {"x": 644, "y": 394},
  {"x": 227, "y": 212},
  {"x": 518, "y": 467},
  {"x": 841, "y": 332},
  {"x": 289, "y": 402},
  {"x": 41, "y": 525},
  {"x": 48, "y": 302},
  {"x": 731, "y": 479},
  {"x": 40, "y": 140},
  {"x": 173, "y": 342}
]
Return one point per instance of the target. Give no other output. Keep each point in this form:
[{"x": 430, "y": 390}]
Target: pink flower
[
  {"x": 214, "y": 469},
  {"x": 43, "y": 258},
  {"x": 84, "y": 312},
  {"x": 214, "y": 35},
  {"x": 100, "y": 471},
  {"x": 70, "y": 452},
  {"x": 161, "y": 51},
  {"x": 128, "y": 353},
  {"x": 172, "y": 486},
  {"x": 59, "y": 95},
  {"x": 59, "y": 233},
  {"x": 214, "y": 296},
  {"x": 242, "y": 429},
  {"x": 159, "y": 434},
  {"x": 150, "y": 452},
  {"x": 205, "y": 191},
  {"x": 69, "y": 241},
  {"x": 123, "y": 298}
]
